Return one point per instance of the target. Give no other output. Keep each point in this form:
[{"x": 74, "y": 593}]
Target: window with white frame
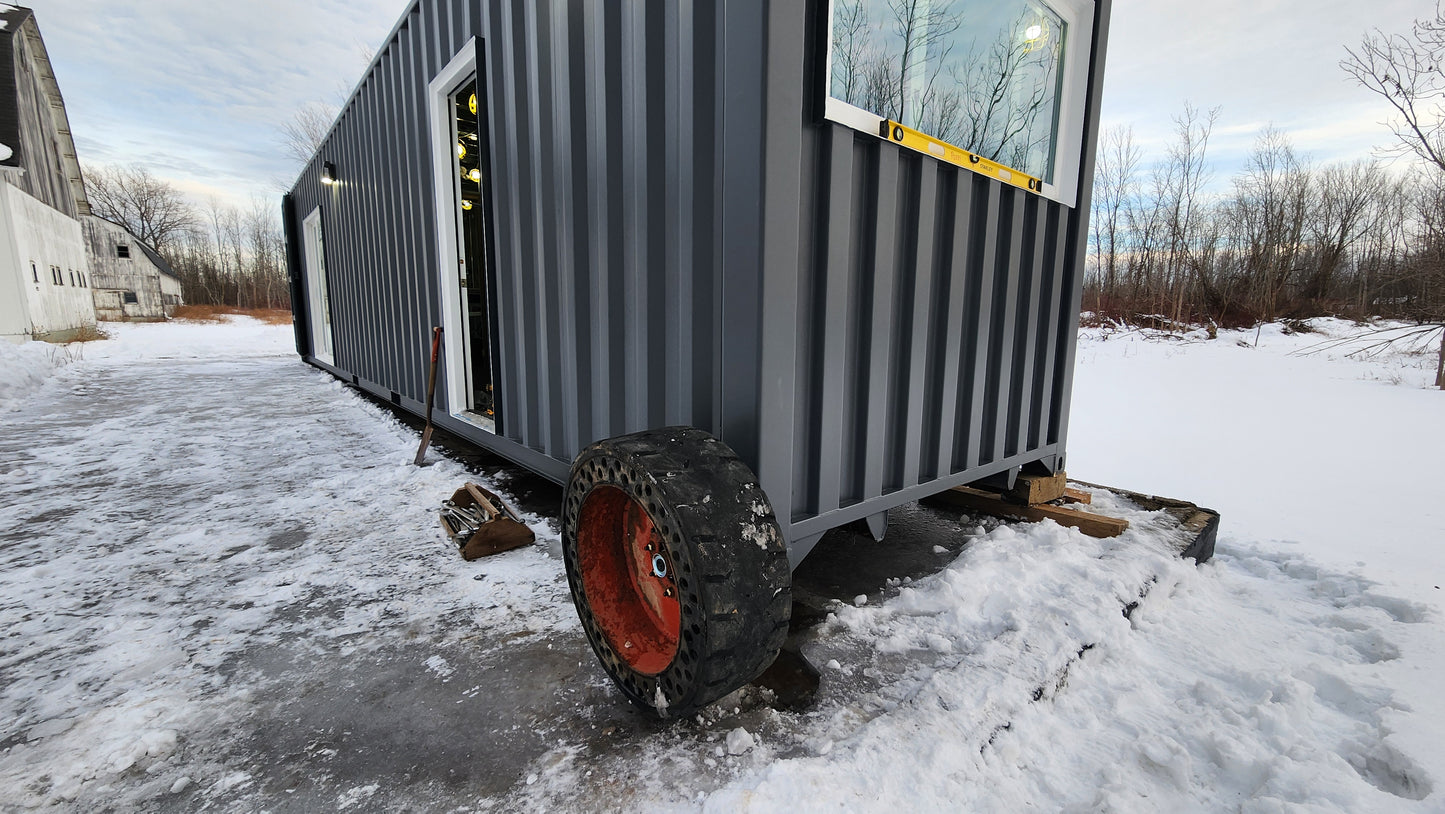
[{"x": 1003, "y": 80}]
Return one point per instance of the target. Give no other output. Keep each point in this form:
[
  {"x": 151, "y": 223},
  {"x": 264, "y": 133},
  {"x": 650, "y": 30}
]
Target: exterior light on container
[
  {"x": 328, "y": 173},
  {"x": 467, "y": 205},
  {"x": 461, "y": 150},
  {"x": 475, "y": 175}
]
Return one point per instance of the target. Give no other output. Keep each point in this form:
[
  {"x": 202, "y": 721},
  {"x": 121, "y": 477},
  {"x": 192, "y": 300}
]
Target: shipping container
[{"x": 735, "y": 273}]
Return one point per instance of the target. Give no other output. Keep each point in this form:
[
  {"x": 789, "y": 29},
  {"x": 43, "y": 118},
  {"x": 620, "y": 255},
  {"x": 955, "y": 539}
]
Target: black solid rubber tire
[{"x": 733, "y": 578}]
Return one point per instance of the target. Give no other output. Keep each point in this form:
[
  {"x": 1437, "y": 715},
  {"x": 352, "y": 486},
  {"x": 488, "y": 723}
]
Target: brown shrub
[{"x": 89, "y": 332}]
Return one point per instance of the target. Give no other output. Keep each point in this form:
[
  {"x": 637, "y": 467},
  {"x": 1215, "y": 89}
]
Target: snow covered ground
[{"x": 221, "y": 588}]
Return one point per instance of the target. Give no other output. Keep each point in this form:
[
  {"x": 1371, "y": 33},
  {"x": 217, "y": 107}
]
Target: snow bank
[
  {"x": 1252, "y": 684},
  {"x": 24, "y": 368}
]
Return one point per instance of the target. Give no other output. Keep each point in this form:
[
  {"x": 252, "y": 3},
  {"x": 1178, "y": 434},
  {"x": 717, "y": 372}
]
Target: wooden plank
[
  {"x": 1032, "y": 490},
  {"x": 1078, "y": 496},
  {"x": 989, "y": 503}
]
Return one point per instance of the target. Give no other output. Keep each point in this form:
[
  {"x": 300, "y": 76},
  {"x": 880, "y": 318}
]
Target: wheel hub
[{"x": 627, "y": 578}]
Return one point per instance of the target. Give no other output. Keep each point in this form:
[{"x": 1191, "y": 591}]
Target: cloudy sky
[{"x": 197, "y": 90}]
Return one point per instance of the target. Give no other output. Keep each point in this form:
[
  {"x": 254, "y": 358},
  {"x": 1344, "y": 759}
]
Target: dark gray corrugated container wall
[{"x": 678, "y": 239}]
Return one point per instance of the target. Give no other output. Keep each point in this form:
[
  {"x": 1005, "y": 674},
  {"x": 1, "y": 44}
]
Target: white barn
[
  {"x": 44, "y": 268},
  {"x": 130, "y": 280}
]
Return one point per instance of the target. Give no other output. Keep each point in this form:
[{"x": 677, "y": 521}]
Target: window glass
[{"x": 983, "y": 75}]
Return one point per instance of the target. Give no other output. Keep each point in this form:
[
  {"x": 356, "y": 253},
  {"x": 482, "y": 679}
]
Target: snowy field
[{"x": 222, "y": 589}]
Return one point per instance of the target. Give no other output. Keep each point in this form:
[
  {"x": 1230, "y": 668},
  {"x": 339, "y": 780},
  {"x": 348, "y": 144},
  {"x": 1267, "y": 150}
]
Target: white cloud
[
  {"x": 197, "y": 91},
  {"x": 1262, "y": 61}
]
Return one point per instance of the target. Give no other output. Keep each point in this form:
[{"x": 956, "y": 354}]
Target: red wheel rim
[{"x": 627, "y": 576}]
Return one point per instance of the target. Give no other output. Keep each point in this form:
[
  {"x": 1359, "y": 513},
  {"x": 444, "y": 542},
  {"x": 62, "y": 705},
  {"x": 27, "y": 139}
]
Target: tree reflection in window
[{"x": 980, "y": 74}]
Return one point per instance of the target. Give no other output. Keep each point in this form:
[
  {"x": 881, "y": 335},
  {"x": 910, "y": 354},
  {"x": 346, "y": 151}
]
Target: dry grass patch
[
  {"x": 90, "y": 333},
  {"x": 218, "y": 313}
]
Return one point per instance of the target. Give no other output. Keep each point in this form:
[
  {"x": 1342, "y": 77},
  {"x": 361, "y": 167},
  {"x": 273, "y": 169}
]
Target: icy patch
[
  {"x": 230, "y": 782},
  {"x": 356, "y": 796},
  {"x": 140, "y": 650},
  {"x": 441, "y": 667}
]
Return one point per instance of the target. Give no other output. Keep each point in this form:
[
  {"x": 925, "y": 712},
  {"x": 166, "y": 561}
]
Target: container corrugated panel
[
  {"x": 606, "y": 175},
  {"x": 932, "y": 324},
  {"x": 678, "y": 240},
  {"x": 933, "y": 311},
  {"x": 605, "y": 182}
]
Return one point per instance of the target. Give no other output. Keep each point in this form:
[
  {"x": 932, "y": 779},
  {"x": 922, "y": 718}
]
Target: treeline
[
  {"x": 234, "y": 258},
  {"x": 224, "y": 256},
  {"x": 1287, "y": 239}
]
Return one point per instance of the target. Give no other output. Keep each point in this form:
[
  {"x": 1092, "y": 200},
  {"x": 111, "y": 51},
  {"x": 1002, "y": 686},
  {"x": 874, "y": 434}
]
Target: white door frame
[
  {"x": 445, "y": 186},
  {"x": 323, "y": 345}
]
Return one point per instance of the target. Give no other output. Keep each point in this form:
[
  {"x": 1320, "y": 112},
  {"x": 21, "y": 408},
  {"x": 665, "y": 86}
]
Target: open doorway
[
  {"x": 461, "y": 165},
  {"x": 472, "y": 278},
  {"x": 318, "y": 299}
]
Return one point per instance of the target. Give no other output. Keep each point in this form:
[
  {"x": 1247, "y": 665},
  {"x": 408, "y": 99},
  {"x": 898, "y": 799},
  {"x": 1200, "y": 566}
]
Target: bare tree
[
  {"x": 1180, "y": 209},
  {"x": 150, "y": 208},
  {"x": 303, "y": 134},
  {"x": 1115, "y": 186},
  {"x": 1338, "y": 219},
  {"x": 1409, "y": 72},
  {"x": 1268, "y": 215}
]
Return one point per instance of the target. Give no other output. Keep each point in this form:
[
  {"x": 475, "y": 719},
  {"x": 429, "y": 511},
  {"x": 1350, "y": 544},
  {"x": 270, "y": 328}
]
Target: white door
[{"x": 318, "y": 297}]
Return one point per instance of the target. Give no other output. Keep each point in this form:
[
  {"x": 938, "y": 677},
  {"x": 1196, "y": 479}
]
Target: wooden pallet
[
  {"x": 998, "y": 505},
  {"x": 1200, "y": 526}
]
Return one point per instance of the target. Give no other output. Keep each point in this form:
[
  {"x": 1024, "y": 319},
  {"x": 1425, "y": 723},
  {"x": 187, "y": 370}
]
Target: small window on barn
[
  {"x": 72, "y": 278},
  {"x": 56, "y": 276},
  {"x": 130, "y": 298},
  {"x": 122, "y": 250},
  {"x": 993, "y": 85},
  {"x": 35, "y": 272}
]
